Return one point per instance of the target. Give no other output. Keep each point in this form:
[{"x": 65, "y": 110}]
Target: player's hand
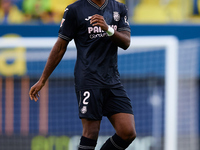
[
  {"x": 34, "y": 91},
  {"x": 98, "y": 20}
]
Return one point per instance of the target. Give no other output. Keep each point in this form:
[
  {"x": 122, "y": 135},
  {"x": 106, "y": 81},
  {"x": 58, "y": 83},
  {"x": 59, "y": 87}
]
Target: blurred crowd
[
  {"x": 140, "y": 11},
  {"x": 32, "y": 11}
]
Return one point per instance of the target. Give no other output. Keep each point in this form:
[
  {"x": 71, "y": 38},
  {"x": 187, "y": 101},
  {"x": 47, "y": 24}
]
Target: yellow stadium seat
[
  {"x": 15, "y": 16},
  {"x": 175, "y": 12},
  {"x": 150, "y": 13},
  {"x": 58, "y": 7}
]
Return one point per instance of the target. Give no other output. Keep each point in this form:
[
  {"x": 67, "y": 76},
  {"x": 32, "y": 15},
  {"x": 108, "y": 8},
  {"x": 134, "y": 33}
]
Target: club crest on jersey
[
  {"x": 116, "y": 16},
  {"x": 84, "y": 110},
  {"x": 63, "y": 20}
]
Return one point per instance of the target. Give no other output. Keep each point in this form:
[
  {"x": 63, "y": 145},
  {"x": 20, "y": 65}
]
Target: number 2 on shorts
[{"x": 87, "y": 95}]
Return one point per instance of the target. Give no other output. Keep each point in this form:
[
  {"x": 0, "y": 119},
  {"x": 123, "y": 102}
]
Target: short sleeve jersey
[{"x": 96, "y": 64}]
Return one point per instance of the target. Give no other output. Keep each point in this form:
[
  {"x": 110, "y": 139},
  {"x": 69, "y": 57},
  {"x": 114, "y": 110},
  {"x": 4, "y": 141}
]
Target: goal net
[{"x": 159, "y": 74}]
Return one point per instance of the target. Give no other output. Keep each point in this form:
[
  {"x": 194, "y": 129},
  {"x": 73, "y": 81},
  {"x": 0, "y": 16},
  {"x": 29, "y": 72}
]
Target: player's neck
[{"x": 99, "y": 2}]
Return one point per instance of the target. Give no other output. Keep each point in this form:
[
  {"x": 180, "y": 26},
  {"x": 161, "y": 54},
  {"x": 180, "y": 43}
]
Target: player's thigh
[{"x": 124, "y": 124}]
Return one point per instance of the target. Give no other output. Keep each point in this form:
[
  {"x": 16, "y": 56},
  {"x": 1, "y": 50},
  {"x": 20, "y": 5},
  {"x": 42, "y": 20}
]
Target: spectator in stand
[
  {"x": 45, "y": 11},
  {"x": 9, "y": 13},
  {"x": 37, "y": 11}
]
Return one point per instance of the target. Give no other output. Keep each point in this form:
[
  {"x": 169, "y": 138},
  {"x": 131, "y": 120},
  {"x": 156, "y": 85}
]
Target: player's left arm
[{"x": 122, "y": 38}]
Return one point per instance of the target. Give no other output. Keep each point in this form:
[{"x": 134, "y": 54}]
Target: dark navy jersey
[{"x": 96, "y": 64}]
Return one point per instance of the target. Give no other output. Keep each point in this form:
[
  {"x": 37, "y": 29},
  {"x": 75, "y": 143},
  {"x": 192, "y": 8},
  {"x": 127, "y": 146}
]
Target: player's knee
[
  {"x": 128, "y": 135},
  {"x": 132, "y": 136}
]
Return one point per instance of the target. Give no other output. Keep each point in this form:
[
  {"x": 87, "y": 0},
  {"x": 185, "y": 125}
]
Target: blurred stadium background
[{"x": 160, "y": 72}]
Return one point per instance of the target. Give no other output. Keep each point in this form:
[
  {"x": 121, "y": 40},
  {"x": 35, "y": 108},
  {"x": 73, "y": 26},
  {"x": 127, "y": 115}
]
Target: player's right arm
[{"x": 55, "y": 57}]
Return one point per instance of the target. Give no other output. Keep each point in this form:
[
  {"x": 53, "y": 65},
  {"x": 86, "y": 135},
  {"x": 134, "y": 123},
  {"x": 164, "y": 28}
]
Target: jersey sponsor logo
[
  {"x": 116, "y": 16},
  {"x": 94, "y": 29},
  {"x": 88, "y": 18},
  {"x": 94, "y": 36},
  {"x": 95, "y": 32},
  {"x": 63, "y": 20},
  {"x": 97, "y": 29}
]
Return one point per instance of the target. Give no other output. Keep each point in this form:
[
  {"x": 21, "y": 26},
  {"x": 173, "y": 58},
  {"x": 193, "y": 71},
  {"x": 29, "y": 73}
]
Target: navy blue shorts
[{"x": 99, "y": 102}]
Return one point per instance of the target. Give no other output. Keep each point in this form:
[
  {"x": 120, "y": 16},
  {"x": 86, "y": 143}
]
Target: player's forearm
[
  {"x": 51, "y": 64},
  {"x": 122, "y": 39},
  {"x": 55, "y": 57}
]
